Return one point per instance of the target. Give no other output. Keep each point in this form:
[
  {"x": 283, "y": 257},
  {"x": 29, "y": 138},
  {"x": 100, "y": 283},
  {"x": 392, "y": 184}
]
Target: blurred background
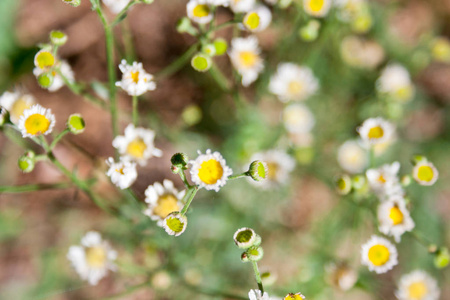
[{"x": 304, "y": 224}]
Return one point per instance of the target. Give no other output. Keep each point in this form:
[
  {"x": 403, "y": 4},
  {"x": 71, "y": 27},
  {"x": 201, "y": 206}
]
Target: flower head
[
  {"x": 44, "y": 59},
  {"x": 293, "y": 82},
  {"x": 298, "y": 118},
  {"x": 352, "y": 157},
  {"x": 245, "y": 55},
  {"x": 296, "y": 296},
  {"x": 137, "y": 144},
  {"x": 16, "y": 103},
  {"x": 210, "y": 170},
  {"x": 379, "y": 255},
  {"x": 384, "y": 180},
  {"x": 123, "y": 173},
  {"x": 394, "y": 218},
  {"x": 417, "y": 285},
  {"x": 425, "y": 173},
  {"x": 58, "y": 82},
  {"x": 162, "y": 200},
  {"x": 257, "y": 19},
  {"x": 396, "y": 83},
  {"x": 240, "y": 6},
  {"x": 317, "y": 8},
  {"x": 135, "y": 80},
  {"x": 36, "y": 121},
  {"x": 93, "y": 258},
  {"x": 376, "y": 130},
  {"x": 200, "y": 11},
  {"x": 175, "y": 223},
  {"x": 245, "y": 237}
]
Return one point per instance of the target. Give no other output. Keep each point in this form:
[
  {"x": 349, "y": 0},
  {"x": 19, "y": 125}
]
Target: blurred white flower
[{"x": 245, "y": 55}]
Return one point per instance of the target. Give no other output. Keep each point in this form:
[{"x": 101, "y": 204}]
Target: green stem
[
  {"x": 258, "y": 276},
  {"x": 34, "y": 187},
  {"x": 420, "y": 239},
  {"x": 222, "y": 26},
  {"x": 184, "y": 179},
  {"x": 135, "y": 111},
  {"x": 122, "y": 14},
  {"x": 189, "y": 196},
  {"x": 221, "y": 80},
  {"x": 58, "y": 138},
  {"x": 178, "y": 63},
  {"x": 44, "y": 143},
  {"x": 245, "y": 174}
]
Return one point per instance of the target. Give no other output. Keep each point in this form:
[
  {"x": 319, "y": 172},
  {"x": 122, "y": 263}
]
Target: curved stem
[
  {"x": 258, "y": 276},
  {"x": 189, "y": 196},
  {"x": 58, "y": 138}
]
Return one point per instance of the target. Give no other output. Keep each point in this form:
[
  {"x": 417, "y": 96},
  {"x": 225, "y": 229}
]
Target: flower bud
[
  {"x": 440, "y": 49},
  {"x": 184, "y": 25},
  {"x": 258, "y": 170},
  {"x": 27, "y": 162},
  {"x": 161, "y": 280},
  {"x": 209, "y": 49},
  {"x": 362, "y": 23},
  {"x": 175, "y": 169},
  {"x": 4, "y": 116},
  {"x": 76, "y": 124},
  {"x": 244, "y": 257},
  {"x": 255, "y": 253},
  {"x": 45, "y": 80},
  {"x": 179, "y": 160},
  {"x": 74, "y": 3},
  {"x": 310, "y": 31},
  {"x": 245, "y": 238},
  {"x": 442, "y": 258},
  {"x": 175, "y": 223},
  {"x": 201, "y": 62},
  {"x": 221, "y": 46},
  {"x": 418, "y": 159},
  {"x": 343, "y": 184},
  {"x": 58, "y": 38}
]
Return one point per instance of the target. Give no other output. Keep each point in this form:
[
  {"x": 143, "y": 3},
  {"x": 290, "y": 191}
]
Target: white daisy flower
[
  {"x": 257, "y": 295},
  {"x": 245, "y": 55},
  {"x": 135, "y": 80},
  {"x": 296, "y": 296},
  {"x": 379, "y": 255},
  {"x": 58, "y": 82},
  {"x": 93, "y": 259},
  {"x": 293, "y": 82},
  {"x": 384, "y": 180},
  {"x": 210, "y": 170},
  {"x": 44, "y": 60},
  {"x": 317, "y": 8},
  {"x": 352, "y": 157},
  {"x": 200, "y": 11},
  {"x": 376, "y": 130},
  {"x": 417, "y": 285},
  {"x": 279, "y": 165},
  {"x": 241, "y": 6},
  {"x": 137, "y": 144},
  {"x": 162, "y": 200},
  {"x": 16, "y": 103},
  {"x": 257, "y": 19},
  {"x": 175, "y": 223},
  {"x": 395, "y": 81},
  {"x": 425, "y": 173},
  {"x": 297, "y": 118},
  {"x": 35, "y": 121},
  {"x": 393, "y": 217},
  {"x": 116, "y": 6},
  {"x": 123, "y": 173}
]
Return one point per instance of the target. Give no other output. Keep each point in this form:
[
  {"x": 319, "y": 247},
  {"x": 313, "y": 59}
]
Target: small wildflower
[
  {"x": 36, "y": 121},
  {"x": 317, "y": 8},
  {"x": 361, "y": 53},
  {"x": 175, "y": 223},
  {"x": 93, "y": 258},
  {"x": 116, "y": 6},
  {"x": 199, "y": 11},
  {"x": 58, "y": 38},
  {"x": 209, "y": 49},
  {"x": 258, "y": 170},
  {"x": 44, "y": 60},
  {"x": 123, "y": 173},
  {"x": 384, "y": 180},
  {"x": 257, "y": 295},
  {"x": 76, "y": 124},
  {"x": 137, "y": 144},
  {"x": 279, "y": 165},
  {"x": 352, "y": 157},
  {"x": 135, "y": 80},
  {"x": 425, "y": 173},
  {"x": 57, "y": 82},
  {"x": 376, "y": 130},
  {"x": 396, "y": 83},
  {"x": 343, "y": 184},
  {"x": 245, "y": 238},
  {"x": 257, "y": 19},
  {"x": 241, "y": 6},
  {"x": 296, "y": 296},
  {"x": 162, "y": 199},
  {"x": 379, "y": 255},
  {"x": 201, "y": 62},
  {"x": 293, "y": 82},
  {"x": 297, "y": 118},
  {"x": 245, "y": 55},
  {"x": 417, "y": 285},
  {"x": 16, "y": 103},
  {"x": 210, "y": 171},
  {"x": 394, "y": 218},
  {"x": 161, "y": 280}
]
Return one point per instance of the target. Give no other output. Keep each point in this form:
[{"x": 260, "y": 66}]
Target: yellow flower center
[
  {"x": 404, "y": 93},
  {"x": 381, "y": 179},
  {"x": 295, "y": 87},
  {"x": 45, "y": 60},
  {"x": 252, "y": 21},
  {"x": 273, "y": 168},
  {"x": 201, "y": 11},
  {"x": 379, "y": 255},
  {"x": 293, "y": 297},
  {"x": 120, "y": 171},
  {"x": 425, "y": 173},
  {"x": 37, "y": 124},
  {"x": 96, "y": 257},
  {"x": 135, "y": 76},
  {"x": 375, "y": 132},
  {"x": 137, "y": 148},
  {"x": 166, "y": 204},
  {"x": 210, "y": 171},
  {"x": 417, "y": 290},
  {"x": 248, "y": 59},
  {"x": 18, "y": 107},
  {"x": 316, "y": 5},
  {"x": 396, "y": 215}
]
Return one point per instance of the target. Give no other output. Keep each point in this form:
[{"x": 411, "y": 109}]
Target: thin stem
[
  {"x": 122, "y": 13},
  {"x": 135, "y": 110},
  {"x": 258, "y": 276},
  {"x": 223, "y": 25},
  {"x": 184, "y": 179},
  {"x": 58, "y": 138},
  {"x": 44, "y": 143},
  {"x": 189, "y": 196},
  {"x": 221, "y": 80},
  {"x": 178, "y": 63},
  {"x": 34, "y": 187},
  {"x": 420, "y": 239},
  {"x": 245, "y": 174}
]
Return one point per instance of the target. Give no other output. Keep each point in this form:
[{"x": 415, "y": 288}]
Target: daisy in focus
[
  {"x": 245, "y": 55},
  {"x": 293, "y": 82},
  {"x": 257, "y": 19},
  {"x": 135, "y": 80},
  {"x": 116, "y": 6},
  {"x": 384, "y": 180},
  {"x": 137, "y": 144},
  {"x": 352, "y": 157},
  {"x": 417, "y": 285},
  {"x": 425, "y": 173},
  {"x": 123, "y": 173},
  {"x": 379, "y": 255},
  {"x": 317, "y": 8},
  {"x": 16, "y": 103},
  {"x": 93, "y": 258},
  {"x": 162, "y": 200},
  {"x": 393, "y": 218},
  {"x": 58, "y": 81},
  {"x": 376, "y": 130},
  {"x": 395, "y": 82},
  {"x": 279, "y": 165},
  {"x": 36, "y": 121},
  {"x": 210, "y": 170}
]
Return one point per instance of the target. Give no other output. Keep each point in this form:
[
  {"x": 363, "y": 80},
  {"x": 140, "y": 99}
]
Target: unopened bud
[
  {"x": 221, "y": 46},
  {"x": 442, "y": 258},
  {"x": 179, "y": 160},
  {"x": 58, "y": 38},
  {"x": 4, "y": 116},
  {"x": 343, "y": 184},
  {"x": 258, "y": 170},
  {"x": 201, "y": 62},
  {"x": 255, "y": 253},
  {"x": 76, "y": 124},
  {"x": 45, "y": 80},
  {"x": 209, "y": 49},
  {"x": 27, "y": 162},
  {"x": 310, "y": 31}
]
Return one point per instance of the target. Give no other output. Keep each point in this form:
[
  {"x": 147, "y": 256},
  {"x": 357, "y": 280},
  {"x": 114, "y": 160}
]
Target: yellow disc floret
[
  {"x": 396, "y": 215},
  {"x": 316, "y": 5},
  {"x": 210, "y": 171},
  {"x": 417, "y": 290},
  {"x": 378, "y": 255},
  {"x": 137, "y": 148},
  {"x": 201, "y": 11},
  {"x": 166, "y": 204},
  {"x": 248, "y": 59},
  {"x": 37, "y": 124},
  {"x": 44, "y": 59},
  {"x": 375, "y": 132},
  {"x": 425, "y": 173},
  {"x": 96, "y": 257},
  {"x": 135, "y": 76},
  {"x": 252, "y": 21}
]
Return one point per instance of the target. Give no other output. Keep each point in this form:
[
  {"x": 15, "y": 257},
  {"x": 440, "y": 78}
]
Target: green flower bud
[
  {"x": 58, "y": 38},
  {"x": 343, "y": 184},
  {"x": 258, "y": 170},
  {"x": 201, "y": 62},
  {"x": 221, "y": 46},
  {"x": 45, "y": 80},
  {"x": 27, "y": 162},
  {"x": 245, "y": 238},
  {"x": 442, "y": 258},
  {"x": 76, "y": 124},
  {"x": 255, "y": 253},
  {"x": 209, "y": 49},
  {"x": 184, "y": 25},
  {"x": 4, "y": 116},
  {"x": 418, "y": 159},
  {"x": 179, "y": 159},
  {"x": 310, "y": 31},
  {"x": 175, "y": 223},
  {"x": 74, "y": 3},
  {"x": 362, "y": 23}
]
